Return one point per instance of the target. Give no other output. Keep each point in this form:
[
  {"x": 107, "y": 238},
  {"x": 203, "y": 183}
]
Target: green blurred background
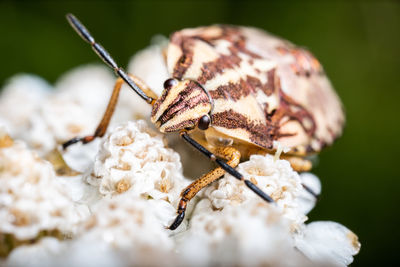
[{"x": 357, "y": 42}]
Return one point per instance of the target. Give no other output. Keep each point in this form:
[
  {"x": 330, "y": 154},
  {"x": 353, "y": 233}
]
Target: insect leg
[
  {"x": 190, "y": 191},
  {"x": 229, "y": 153},
  {"x": 105, "y": 56},
  {"x": 102, "y": 127},
  {"x": 298, "y": 164},
  {"x": 231, "y": 170},
  {"x": 105, "y": 121}
]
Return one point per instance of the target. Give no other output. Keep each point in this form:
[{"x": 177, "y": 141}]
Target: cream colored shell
[{"x": 258, "y": 53}]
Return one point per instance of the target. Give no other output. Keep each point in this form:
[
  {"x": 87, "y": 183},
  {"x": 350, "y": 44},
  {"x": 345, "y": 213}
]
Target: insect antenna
[
  {"x": 227, "y": 168},
  {"x": 105, "y": 56}
]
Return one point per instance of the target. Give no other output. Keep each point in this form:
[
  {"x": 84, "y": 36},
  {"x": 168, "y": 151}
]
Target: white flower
[
  {"x": 32, "y": 202},
  {"x": 328, "y": 243},
  {"x": 131, "y": 183},
  {"x": 134, "y": 158},
  {"x": 254, "y": 234},
  {"x": 20, "y": 103},
  {"x": 306, "y": 200},
  {"x": 126, "y": 221},
  {"x": 19, "y": 99},
  {"x": 123, "y": 231},
  {"x": 274, "y": 177},
  {"x": 43, "y": 253}
]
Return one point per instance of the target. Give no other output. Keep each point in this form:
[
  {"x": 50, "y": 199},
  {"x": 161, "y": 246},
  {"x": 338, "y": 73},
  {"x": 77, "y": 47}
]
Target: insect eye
[
  {"x": 169, "y": 83},
  {"x": 204, "y": 122}
]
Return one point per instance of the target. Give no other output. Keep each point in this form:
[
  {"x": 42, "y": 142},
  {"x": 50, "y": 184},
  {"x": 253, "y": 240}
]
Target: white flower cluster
[
  {"x": 274, "y": 177},
  {"x": 232, "y": 225},
  {"x": 115, "y": 210},
  {"x": 134, "y": 157},
  {"x": 133, "y": 226},
  {"x": 32, "y": 203},
  {"x": 43, "y": 116},
  {"x": 245, "y": 235}
]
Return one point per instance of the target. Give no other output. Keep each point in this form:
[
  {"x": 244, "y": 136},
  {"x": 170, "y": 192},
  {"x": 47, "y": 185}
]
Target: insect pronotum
[{"x": 233, "y": 91}]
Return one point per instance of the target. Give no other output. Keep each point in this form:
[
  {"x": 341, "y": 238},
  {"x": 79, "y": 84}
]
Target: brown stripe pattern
[
  {"x": 260, "y": 134},
  {"x": 244, "y": 80},
  {"x": 180, "y": 107},
  {"x": 186, "y": 58},
  {"x": 245, "y": 87},
  {"x": 211, "y": 69}
]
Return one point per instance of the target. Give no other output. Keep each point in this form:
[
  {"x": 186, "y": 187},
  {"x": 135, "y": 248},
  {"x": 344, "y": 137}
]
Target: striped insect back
[{"x": 263, "y": 88}]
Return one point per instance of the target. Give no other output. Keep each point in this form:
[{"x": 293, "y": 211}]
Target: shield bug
[{"x": 233, "y": 91}]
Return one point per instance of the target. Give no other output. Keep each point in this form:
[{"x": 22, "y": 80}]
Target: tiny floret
[
  {"x": 32, "y": 203},
  {"x": 133, "y": 159}
]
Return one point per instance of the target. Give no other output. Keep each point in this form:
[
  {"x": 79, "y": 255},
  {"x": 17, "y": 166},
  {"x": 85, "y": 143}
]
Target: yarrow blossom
[{"x": 114, "y": 198}]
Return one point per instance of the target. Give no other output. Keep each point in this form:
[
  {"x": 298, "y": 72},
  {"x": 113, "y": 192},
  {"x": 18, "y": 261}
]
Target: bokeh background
[{"x": 357, "y": 42}]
